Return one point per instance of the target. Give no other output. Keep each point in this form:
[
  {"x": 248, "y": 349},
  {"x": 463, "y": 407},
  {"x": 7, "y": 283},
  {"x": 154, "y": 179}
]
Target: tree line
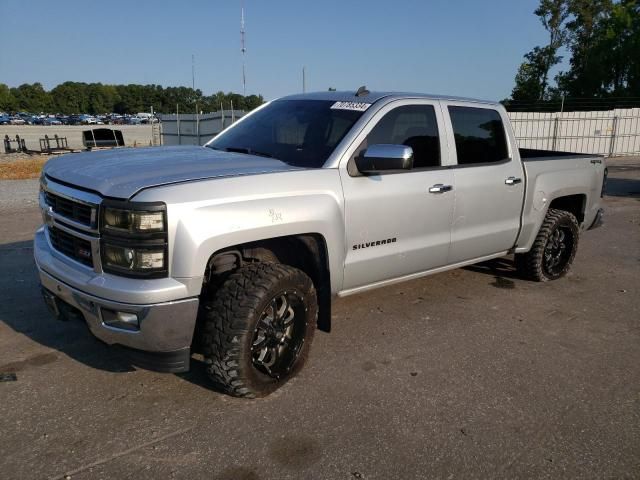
[
  {"x": 602, "y": 38},
  {"x": 97, "y": 98}
]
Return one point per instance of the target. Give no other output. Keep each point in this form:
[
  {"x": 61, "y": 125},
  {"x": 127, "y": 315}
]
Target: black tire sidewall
[
  {"x": 567, "y": 220},
  {"x": 531, "y": 264},
  {"x": 230, "y": 318}
]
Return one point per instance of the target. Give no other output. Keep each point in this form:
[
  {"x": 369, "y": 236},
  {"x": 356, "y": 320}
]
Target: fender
[
  {"x": 205, "y": 217},
  {"x": 543, "y": 187}
]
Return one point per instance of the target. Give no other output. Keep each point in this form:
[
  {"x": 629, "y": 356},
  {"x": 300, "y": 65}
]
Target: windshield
[{"x": 302, "y": 133}]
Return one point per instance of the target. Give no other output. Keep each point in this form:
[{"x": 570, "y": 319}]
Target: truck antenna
[{"x": 362, "y": 92}]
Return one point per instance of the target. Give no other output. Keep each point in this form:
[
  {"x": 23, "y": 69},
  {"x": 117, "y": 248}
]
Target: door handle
[
  {"x": 512, "y": 181},
  {"x": 440, "y": 188}
]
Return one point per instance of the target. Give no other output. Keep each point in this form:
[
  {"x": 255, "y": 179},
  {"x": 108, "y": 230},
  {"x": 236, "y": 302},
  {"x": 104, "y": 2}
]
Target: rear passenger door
[
  {"x": 398, "y": 223},
  {"x": 489, "y": 182}
]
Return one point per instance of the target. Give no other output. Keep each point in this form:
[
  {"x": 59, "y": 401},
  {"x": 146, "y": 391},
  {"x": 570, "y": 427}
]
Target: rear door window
[{"x": 479, "y": 135}]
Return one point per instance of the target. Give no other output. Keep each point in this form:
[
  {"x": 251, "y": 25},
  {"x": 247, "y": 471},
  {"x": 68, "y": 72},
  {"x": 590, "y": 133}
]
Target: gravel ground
[
  {"x": 140, "y": 134},
  {"x": 17, "y": 156},
  {"x": 18, "y": 195},
  {"x": 473, "y": 373}
]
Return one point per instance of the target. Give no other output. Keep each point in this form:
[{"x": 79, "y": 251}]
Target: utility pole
[
  {"x": 304, "y": 79},
  {"x": 193, "y": 87},
  {"x": 193, "y": 72}
]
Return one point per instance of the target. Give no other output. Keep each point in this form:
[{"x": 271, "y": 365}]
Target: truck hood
[{"x": 121, "y": 173}]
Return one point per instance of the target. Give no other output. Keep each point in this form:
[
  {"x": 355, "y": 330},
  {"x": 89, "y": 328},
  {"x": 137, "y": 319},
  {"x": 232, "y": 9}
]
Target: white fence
[
  {"x": 612, "y": 132},
  {"x": 192, "y": 129}
]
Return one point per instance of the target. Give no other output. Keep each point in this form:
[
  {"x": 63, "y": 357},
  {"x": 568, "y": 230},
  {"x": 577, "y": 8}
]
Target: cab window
[
  {"x": 479, "y": 135},
  {"x": 411, "y": 125}
]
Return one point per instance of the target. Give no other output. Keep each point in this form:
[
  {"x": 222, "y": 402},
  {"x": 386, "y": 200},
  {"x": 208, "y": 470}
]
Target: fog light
[{"x": 122, "y": 320}]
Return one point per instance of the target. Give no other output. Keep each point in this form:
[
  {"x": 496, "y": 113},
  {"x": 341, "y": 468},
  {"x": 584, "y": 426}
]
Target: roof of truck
[{"x": 372, "y": 97}]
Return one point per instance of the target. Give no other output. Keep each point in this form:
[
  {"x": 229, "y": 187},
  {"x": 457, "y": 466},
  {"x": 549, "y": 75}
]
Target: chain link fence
[{"x": 611, "y": 133}]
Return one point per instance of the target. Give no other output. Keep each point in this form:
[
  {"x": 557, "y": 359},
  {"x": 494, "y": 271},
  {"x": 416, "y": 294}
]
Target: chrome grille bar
[{"x": 71, "y": 217}]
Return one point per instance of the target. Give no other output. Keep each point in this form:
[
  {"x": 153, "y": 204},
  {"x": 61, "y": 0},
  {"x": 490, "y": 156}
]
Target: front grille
[
  {"x": 75, "y": 211},
  {"x": 71, "y": 246}
]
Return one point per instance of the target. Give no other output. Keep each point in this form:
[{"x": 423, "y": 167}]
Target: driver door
[{"x": 399, "y": 224}]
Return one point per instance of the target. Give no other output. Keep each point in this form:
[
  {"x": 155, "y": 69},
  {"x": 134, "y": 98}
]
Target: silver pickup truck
[{"x": 235, "y": 250}]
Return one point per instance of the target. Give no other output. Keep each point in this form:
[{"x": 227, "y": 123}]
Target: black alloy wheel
[
  {"x": 279, "y": 334},
  {"x": 554, "y": 248}
]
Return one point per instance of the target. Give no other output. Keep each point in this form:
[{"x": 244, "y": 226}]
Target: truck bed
[
  {"x": 530, "y": 155},
  {"x": 577, "y": 178}
]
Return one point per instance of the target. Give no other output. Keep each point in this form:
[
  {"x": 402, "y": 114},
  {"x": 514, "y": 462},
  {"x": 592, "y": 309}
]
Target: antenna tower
[{"x": 243, "y": 49}]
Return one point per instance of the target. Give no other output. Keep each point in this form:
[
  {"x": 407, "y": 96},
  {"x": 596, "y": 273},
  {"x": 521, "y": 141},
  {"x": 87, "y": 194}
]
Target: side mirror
[{"x": 384, "y": 157}]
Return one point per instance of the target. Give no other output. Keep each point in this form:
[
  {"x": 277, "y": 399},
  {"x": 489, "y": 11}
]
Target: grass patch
[{"x": 21, "y": 169}]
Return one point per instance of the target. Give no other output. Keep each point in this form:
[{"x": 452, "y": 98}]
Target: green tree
[
  {"x": 32, "y": 98},
  {"x": 97, "y": 98},
  {"x": 7, "y": 100},
  {"x": 253, "y": 101},
  {"x": 553, "y": 14},
  {"x": 529, "y": 79},
  {"x": 71, "y": 97},
  {"x": 532, "y": 79},
  {"x": 604, "y": 40},
  {"x": 583, "y": 77}
]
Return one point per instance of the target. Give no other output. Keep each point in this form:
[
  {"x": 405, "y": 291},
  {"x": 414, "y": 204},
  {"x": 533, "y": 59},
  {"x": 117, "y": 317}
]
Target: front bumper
[{"x": 163, "y": 338}]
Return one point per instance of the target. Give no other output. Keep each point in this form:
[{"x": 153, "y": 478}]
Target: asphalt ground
[{"x": 473, "y": 373}]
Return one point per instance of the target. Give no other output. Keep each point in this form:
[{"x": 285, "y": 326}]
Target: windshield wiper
[{"x": 248, "y": 151}]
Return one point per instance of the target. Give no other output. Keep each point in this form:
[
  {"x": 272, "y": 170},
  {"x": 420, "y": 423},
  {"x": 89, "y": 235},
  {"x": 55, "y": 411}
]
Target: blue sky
[{"x": 464, "y": 47}]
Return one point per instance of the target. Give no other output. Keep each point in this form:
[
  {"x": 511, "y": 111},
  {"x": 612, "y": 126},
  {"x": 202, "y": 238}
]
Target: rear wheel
[
  {"x": 554, "y": 248},
  {"x": 258, "y": 327}
]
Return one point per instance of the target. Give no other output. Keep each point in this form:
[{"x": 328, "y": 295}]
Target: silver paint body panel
[
  {"x": 164, "y": 327},
  {"x": 121, "y": 173},
  {"x": 216, "y": 200}
]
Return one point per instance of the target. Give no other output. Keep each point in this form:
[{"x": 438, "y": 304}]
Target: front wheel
[
  {"x": 554, "y": 248},
  {"x": 258, "y": 328}
]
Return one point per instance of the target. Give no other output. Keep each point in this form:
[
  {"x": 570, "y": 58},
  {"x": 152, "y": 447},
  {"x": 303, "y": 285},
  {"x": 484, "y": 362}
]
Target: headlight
[
  {"x": 133, "y": 259},
  {"x": 133, "y": 221},
  {"x": 134, "y": 238}
]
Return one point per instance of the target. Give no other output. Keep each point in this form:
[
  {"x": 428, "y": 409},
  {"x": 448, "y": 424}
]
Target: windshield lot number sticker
[{"x": 357, "y": 106}]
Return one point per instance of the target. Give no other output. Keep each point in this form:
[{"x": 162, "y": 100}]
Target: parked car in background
[
  {"x": 146, "y": 118},
  {"x": 115, "y": 119},
  {"x": 74, "y": 120},
  {"x": 27, "y": 117},
  {"x": 51, "y": 121}
]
